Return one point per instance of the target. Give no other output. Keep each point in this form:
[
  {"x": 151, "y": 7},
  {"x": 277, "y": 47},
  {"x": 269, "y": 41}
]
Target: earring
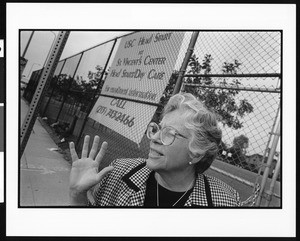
[{"x": 190, "y": 163}]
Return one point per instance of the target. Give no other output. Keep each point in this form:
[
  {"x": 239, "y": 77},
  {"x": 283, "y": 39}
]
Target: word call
[{"x": 115, "y": 114}]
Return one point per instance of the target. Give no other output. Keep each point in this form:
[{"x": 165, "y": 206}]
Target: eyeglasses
[{"x": 167, "y": 134}]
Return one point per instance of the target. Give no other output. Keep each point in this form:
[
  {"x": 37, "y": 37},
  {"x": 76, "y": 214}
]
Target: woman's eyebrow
[
  {"x": 162, "y": 125},
  {"x": 173, "y": 127}
]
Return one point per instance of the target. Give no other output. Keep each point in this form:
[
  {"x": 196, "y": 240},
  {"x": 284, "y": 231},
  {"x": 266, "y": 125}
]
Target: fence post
[
  {"x": 93, "y": 99},
  {"x": 70, "y": 84},
  {"x": 269, "y": 162},
  {"x": 270, "y": 192},
  {"x": 43, "y": 84},
  {"x": 266, "y": 150},
  {"x": 185, "y": 62}
]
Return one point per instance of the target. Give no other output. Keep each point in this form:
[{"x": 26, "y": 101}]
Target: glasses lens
[{"x": 167, "y": 136}]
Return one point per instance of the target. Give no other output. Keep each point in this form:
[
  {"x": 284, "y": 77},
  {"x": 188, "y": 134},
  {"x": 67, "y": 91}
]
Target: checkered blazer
[{"x": 126, "y": 186}]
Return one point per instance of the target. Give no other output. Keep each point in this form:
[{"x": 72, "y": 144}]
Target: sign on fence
[
  {"x": 127, "y": 118},
  {"x": 141, "y": 70},
  {"x": 143, "y": 65}
]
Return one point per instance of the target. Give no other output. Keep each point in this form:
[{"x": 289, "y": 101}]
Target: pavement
[{"x": 44, "y": 173}]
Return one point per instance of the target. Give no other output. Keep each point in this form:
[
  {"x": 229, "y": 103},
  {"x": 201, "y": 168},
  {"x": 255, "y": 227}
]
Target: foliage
[
  {"x": 166, "y": 95},
  {"x": 81, "y": 90},
  {"x": 222, "y": 101},
  {"x": 240, "y": 142},
  {"x": 237, "y": 152}
]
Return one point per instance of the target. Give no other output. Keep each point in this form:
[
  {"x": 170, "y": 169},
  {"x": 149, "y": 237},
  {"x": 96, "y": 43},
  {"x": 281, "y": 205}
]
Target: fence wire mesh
[
  {"x": 245, "y": 137},
  {"x": 78, "y": 81},
  {"x": 235, "y": 73},
  {"x": 257, "y": 51}
]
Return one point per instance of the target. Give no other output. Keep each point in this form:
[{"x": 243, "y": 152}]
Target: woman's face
[{"x": 175, "y": 157}]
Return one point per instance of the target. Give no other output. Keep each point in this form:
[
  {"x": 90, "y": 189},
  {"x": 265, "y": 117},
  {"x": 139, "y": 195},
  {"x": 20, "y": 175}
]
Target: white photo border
[{"x": 153, "y": 222}]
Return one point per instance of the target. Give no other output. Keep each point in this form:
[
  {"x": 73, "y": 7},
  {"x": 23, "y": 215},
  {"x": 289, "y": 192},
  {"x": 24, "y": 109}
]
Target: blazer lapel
[
  {"x": 136, "y": 182},
  {"x": 198, "y": 196}
]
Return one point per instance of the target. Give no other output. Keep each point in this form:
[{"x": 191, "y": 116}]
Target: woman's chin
[{"x": 154, "y": 162}]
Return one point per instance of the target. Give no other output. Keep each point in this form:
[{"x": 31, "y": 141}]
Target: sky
[{"x": 44, "y": 39}]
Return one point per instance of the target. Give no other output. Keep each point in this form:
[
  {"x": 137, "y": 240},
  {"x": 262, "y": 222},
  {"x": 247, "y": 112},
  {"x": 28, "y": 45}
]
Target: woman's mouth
[{"x": 154, "y": 153}]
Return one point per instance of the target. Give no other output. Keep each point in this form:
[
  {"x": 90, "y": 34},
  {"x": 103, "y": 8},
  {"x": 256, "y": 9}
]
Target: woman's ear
[{"x": 195, "y": 158}]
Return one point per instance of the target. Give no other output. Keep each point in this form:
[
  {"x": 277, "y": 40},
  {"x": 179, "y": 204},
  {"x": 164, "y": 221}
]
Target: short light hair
[{"x": 203, "y": 126}]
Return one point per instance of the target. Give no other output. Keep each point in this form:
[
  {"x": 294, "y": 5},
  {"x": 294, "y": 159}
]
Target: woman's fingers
[
  {"x": 73, "y": 152},
  {"x": 101, "y": 153},
  {"x": 94, "y": 147},
  {"x": 85, "y": 147}
]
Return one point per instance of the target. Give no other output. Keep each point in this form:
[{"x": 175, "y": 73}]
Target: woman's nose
[{"x": 156, "y": 138}]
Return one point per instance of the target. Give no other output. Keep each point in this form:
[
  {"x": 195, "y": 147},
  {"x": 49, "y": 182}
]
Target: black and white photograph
[
  {"x": 128, "y": 94},
  {"x": 151, "y": 124}
]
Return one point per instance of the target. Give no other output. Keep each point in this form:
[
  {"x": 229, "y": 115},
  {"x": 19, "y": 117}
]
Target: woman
[{"x": 182, "y": 147}]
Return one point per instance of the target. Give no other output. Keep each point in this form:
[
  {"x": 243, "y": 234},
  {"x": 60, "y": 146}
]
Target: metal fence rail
[
  {"x": 253, "y": 132},
  {"x": 237, "y": 74}
]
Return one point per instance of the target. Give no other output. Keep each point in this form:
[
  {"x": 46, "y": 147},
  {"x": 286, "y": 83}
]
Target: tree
[
  {"x": 240, "y": 142},
  {"x": 63, "y": 83},
  {"x": 83, "y": 90},
  {"x": 166, "y": 95},
  {"x": 238, "y": 151},
  {"x": 222, "y": 101}
]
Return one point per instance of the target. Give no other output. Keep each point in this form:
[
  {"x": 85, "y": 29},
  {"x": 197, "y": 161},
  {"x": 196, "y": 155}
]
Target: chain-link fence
[
  {"x": 78, "y": 81},
  {"x": 237, "y": 74}
]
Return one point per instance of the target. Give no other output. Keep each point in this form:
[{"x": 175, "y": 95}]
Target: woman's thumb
[{"x": 104, "y": 172}]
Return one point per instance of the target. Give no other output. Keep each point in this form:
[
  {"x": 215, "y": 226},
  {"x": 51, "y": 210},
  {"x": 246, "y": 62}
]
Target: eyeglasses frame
[{"x": 160, "y": 129}]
